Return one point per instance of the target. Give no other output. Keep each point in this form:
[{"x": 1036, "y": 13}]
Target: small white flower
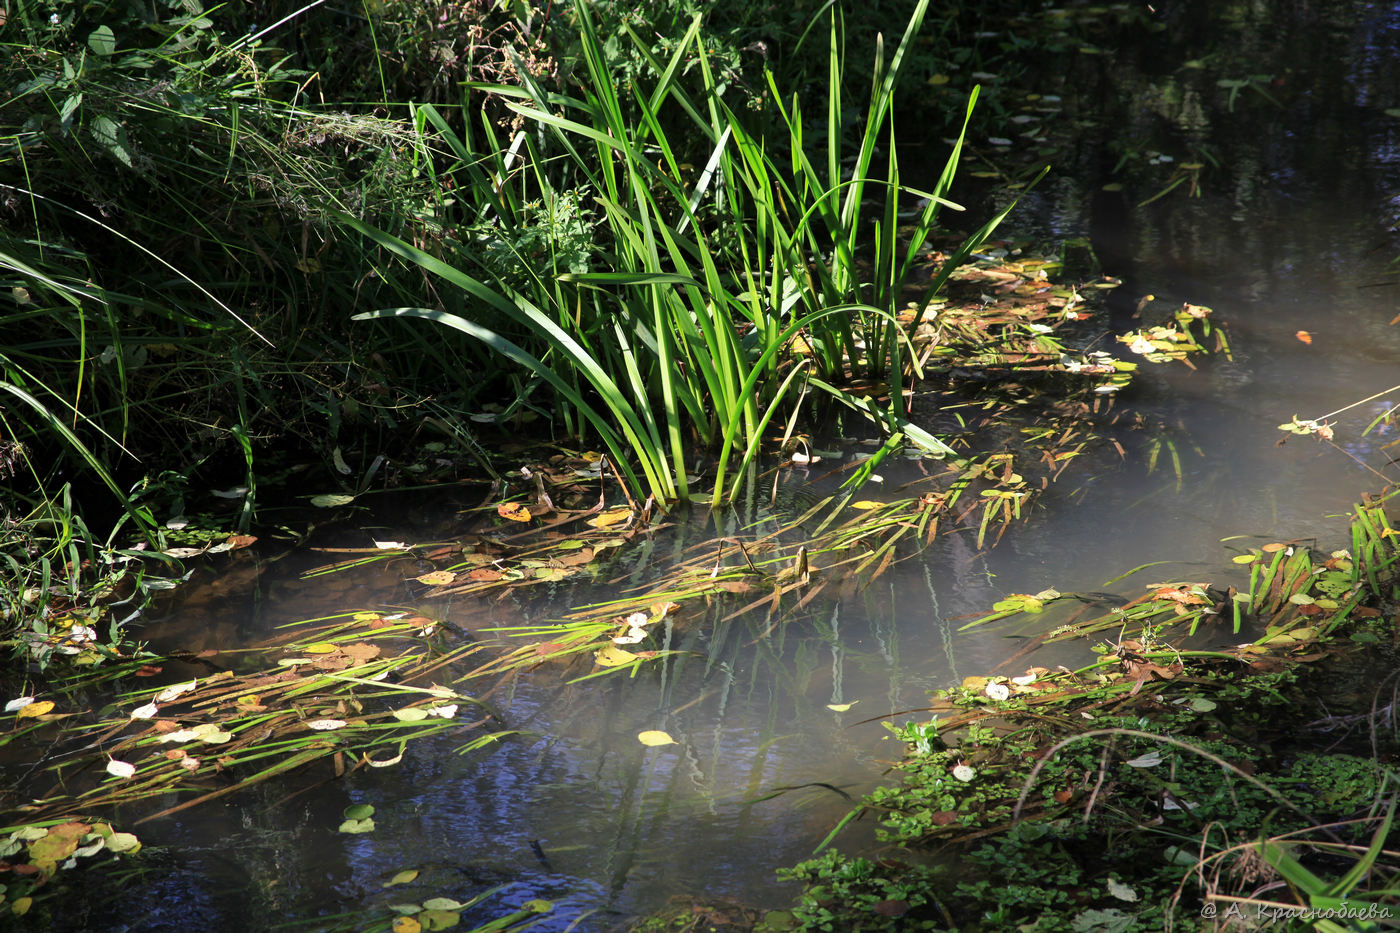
[{"x": 53, "y": 20}]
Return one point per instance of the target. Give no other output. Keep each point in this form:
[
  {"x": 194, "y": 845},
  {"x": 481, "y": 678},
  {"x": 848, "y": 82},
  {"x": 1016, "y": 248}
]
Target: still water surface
[{"x": 1291, "y": 233}]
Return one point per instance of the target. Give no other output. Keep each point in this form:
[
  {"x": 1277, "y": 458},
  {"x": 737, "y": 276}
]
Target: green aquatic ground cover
[{"x": 1161, "y": 786}]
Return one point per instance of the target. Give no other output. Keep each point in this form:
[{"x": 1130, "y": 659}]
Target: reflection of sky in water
[{"x": 624, "y": 827}]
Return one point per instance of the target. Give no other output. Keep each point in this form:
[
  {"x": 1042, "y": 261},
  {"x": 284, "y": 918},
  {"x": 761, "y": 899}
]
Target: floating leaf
[
  {"x": 1019, "y": 602},
  {"x": 841, "y": 707},
  {"x": 358, "y": 811},
  {"x": 362, "y": 651},
  {"x": 18, "y": 703},
  {"x": 211, "y": 734},
  {"x": 331, "y": 500},
  {"x": 610, "y": 517},
  {"x": 1245, "y": 558},
  {"x": 572, "y": 544},
  {"x": 321, "y": 647},
  {"x": 326, "y": 725},
  {"x": 610, "y": 656},
  {"x": 442, "y": 903},
  {"x": 406, "y": 925},
  {"x": 387, "y": 762},
  {"x": 515, "y": 511},
  {"x": 437, "y": 578},
  {"x": 356, "y": 826},
  {"x": 411, "y": 714},
  {"x": 865, "y": 505},
  {"x": 446, "y": 711},
  {"x": 34, "y": 710},
  {"x": 171, "y": 692},
  {"x": 145, "y": 712},
  {"x": 121, "y": 769},
  {"x": 123, "y": 842},
  {"x": 403, "y": 877},
  {"x": 655, "y": 737},
  {"x": 439, "y": 919}
]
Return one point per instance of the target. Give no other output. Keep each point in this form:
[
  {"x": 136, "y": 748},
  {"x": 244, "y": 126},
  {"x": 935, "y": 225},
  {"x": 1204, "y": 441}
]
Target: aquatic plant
[
  {"x": 1191, "y": 762},
  {"x": 719, "y": 293}
]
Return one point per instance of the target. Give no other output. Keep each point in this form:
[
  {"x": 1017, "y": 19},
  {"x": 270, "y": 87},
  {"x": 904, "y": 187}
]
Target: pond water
[{"x": 1291, "y": 232}]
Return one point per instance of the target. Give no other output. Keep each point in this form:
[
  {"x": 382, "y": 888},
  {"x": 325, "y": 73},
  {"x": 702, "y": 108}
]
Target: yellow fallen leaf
[
  {"x": 437, "y": 577},
  {"x": 655, "y": 737},
  {"x": 406, "y": 925},
  {"x": 403, "y": 877},
  {"x": 841, "y": 707},
  {"x": 612, "y": 656},
  {"x": 37, "y": 708},
  {"x": 321, "y": 647},
  {"x": 610, "y": 517},
  {"x": 515, "y": 511},
  {"x": 866, "y": 505}
]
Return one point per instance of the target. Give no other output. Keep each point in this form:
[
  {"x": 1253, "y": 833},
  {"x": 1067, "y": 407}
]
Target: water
[{"x": 1291, "y": 234}]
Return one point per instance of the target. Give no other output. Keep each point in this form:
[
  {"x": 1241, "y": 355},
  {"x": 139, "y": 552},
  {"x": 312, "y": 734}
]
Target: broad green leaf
[
  {"x": 102, "y": 41},
  {"x": 439, "y": 919},
  {"x": 111, "y": 137}
]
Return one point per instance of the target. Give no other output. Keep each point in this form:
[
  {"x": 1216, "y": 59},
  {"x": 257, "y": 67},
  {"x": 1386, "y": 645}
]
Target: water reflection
[{"x": 1289, "y": 235}]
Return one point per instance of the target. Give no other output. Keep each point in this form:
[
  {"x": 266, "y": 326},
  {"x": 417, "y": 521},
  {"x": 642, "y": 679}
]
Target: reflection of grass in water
[
  {"x": 1156, "y": 779},
  {"x": 352, "y": 691}
]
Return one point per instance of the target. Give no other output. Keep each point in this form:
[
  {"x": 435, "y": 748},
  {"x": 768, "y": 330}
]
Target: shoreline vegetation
[{"x": 274, "y": 254}]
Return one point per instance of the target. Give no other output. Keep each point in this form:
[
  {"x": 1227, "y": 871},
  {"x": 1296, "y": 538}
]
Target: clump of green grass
[{"x": 681, "y": 334}]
